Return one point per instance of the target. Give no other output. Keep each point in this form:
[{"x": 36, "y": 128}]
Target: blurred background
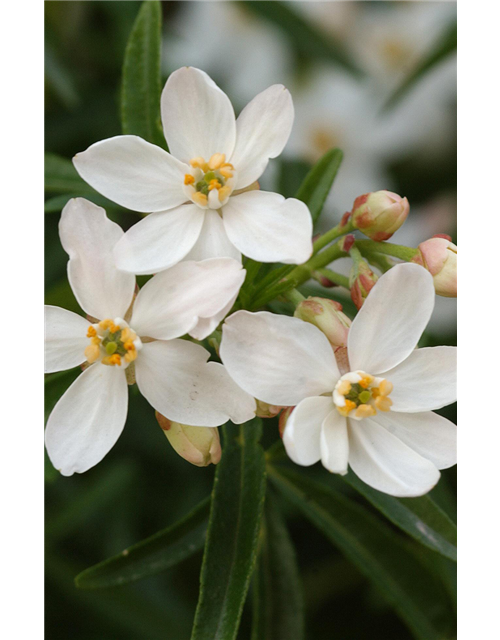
[{"x": 342, "y": 62}]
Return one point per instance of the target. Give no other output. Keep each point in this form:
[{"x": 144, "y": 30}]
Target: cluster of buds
[
  {"x": 361, "y": 281},
  {"x": 198, "y": 445},
  {"x": 379, "y": 214},
  {"x": 439, "y": 256}
]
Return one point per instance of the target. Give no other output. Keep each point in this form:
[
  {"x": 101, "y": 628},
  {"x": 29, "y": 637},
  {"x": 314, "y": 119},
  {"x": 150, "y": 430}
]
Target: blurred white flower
[
  {"x": 139, "y": 335},
  {"x": 377, "y": 414},
  {"x": 214, "y": 159}
]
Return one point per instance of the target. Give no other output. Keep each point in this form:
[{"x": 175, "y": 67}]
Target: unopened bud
[
  {"x": 284, "y": 415},
  {"x": 198, "y": 445},
  {"x": 346, "y": 243},
  {"x": 361, "y": 282},
  {"x": 439, "y": 256},
  {"x": 379, "y": 214},
  {"x": 328, "y": 317},
  {"x": 265, "y": 410}
]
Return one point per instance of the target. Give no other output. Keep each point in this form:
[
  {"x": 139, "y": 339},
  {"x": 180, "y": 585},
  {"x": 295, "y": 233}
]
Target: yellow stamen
[
  {"x": 188, "y": 179},
  {"x": 91, "y": 333},
  {"x": 365, "y": 411},
  {"x": 200, "y": 198},
  {"x": 365, "y": 381},
  {"x": 214, "y": 184},
  {"x": 129, "y": 345},
  {"x": 347, "y": 408},
  {"x": 216, "y": 161},
  {"x": 92, "y": 352},
  {"x": 115, "y": 359},
  {"x": 104, "y": 324},
  {"x": 224, "y": 193},
  {"x": 114, "y": 328},
  {"x": 95, "y": 340},
  {"x": 383, "y": 403},
  {"x": 375, "y": 392},
  {"x": 385, "y": 387},
  {"x": 226, "y": 170},
  {"x": 344, "y": 387},
  {"x": 130, "y": 356},
  {"x": 198, "y": 162}
]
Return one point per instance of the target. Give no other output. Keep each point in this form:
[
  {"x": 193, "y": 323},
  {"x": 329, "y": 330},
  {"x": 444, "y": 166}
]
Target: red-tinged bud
[
  {"x": 347, "y": 242},
  {"x": 284, "y": 415},
  {"x": 324, "y": 281},
  {"x": 345, "y": 218},
  {"x": 439, "y": 256},
  {"x": 198, "y": 445},
  {"x": 379, "y": 214},
  {"x": 265, "y": 410},
  {"x": 361, "y": 281},
  {"x": 328, "y": 317}
]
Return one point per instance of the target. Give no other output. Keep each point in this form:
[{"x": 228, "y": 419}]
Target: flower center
[
  {"x": 359, "y": 395},
  {"x": 113, "y": 342},
  {"x": 209, "y": 184}
]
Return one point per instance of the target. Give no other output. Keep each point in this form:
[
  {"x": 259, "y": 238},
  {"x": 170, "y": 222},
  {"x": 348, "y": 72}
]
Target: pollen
[
  {"x": 216, "y": 175},
  {"x": 200, "y": 198},
  {"x": 92, "y": 353},
  {"x": 214, "y": 184},
  {"x": 385, "y": 387},
  {"x": 344, "y": 387},
  {"x": 188, "y": 179},
  {"x": 347, "y": 408},
  {"x": 91, "y": 333},
  {"x": 112, "y": 342},
  {"x": 366, "y": 381},
  {"x": 199, "y": 163}
]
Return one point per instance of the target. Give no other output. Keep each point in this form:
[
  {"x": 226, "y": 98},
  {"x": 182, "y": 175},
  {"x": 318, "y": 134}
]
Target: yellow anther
[
  {"x": 214, "y": 184},
  {"x": 375, "y": 392},
  {"x": 129, "y": 345},
  {"x": 224, "y": 193},
  {"x": 92, "y": 352},
  {"x": 344, "y": 387},
  {"x": 383, "y": 403},
  {"x": 115, "y": 359},
  {"x": 385, "y": 387},
  {"x": 226, "y": 170},
  {"x": 216, "y": 161},
  {"x": 365, "y": 381},
  {"x": 365, "y": 411},
  {"x": 347, "y": 408},
  {"x": 130, "y": 356},
  {"x": 114, "y": 328},
  {"x": 91, "y": 333},
  {"x": 200, "y": 198},
  {"x": 126, "y": 334},
  {"x": 188, "y": 179},
  {"x": 104, "y": 324},
  {"x": 198, "y": 162},
  {"x": 95, "y": 340}
]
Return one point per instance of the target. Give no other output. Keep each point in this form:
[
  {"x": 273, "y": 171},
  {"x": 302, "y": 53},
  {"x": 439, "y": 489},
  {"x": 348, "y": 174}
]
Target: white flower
[
  {"x": 172, "y": 374},
  {"x": 193, "y": 193},
  {"x": 378, "y": 416}
]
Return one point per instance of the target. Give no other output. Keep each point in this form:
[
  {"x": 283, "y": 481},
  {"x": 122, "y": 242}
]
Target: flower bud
[
  {"x": 361, "y": 281},
  {"x": 379, "y": 214},
  {"x": 265, "y": 410},
  {"x": 439, "y": 256},
  {"x": 198, "y": 445},
  {"x": 328, "y": 317}
]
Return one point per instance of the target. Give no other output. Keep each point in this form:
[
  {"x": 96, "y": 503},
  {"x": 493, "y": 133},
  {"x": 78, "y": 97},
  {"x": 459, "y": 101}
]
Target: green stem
[
  {"x": 378, "y": 260},
  {"x": 396, "y": 250},
  {"x": 293, "y": 296},
  {"x": 333, "y": 276},
  {"x": 334, "y": 233}
]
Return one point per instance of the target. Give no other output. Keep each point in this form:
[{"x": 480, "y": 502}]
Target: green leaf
[
  {"x": 309, "y": 42},
  {"x": 278, "y": 604},
  {"x": 419, "y": 517},
  {"x": 62, "y": 177},
  {"x": 318, "y": 182},
  {"x": 152, "y": 555},
  {"x": 141, "y": 85},
  {"x": 233, "y": 531},
  {"x": 57, "y": 203},
  {"x": 380, "y": 554}
]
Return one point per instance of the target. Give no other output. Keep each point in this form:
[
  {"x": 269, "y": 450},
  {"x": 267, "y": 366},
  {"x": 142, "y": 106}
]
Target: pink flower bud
[
  {"x": 198, "y": 445},
  {"x": 265, "y": 410},
  {"x": 379, "y": 214},
  {"x": 439, "y": 256},
  {"x": 328, "y": 317},
  {"x": 362, "y": 280}
]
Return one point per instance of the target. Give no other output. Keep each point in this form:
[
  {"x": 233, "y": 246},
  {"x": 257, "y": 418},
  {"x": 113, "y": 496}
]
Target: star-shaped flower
[
  {"x": 131, "y": 338},
  {"x": 375, "y": 415},
  {"x": 198, "y": 194}
]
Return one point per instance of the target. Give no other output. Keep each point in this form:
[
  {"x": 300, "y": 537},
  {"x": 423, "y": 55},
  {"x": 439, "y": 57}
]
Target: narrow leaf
[
  {"x": 141, "y": 86},
  {"x": 152, "y": 555},
  {"x": 419, "y": 517},
  {"x": 62, "y": 177},
  {"x": 318, "y": 182},
  {"x": 380, "y": 554},
  {"x": 278, "y": 604},
  {"x": 232, "y": 537}
]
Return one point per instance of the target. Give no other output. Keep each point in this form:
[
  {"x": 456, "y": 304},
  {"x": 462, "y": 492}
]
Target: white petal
[
  {"x": 213, "y": 241},
  {"x": 134, "y": 173},
  {"x": 88, "y": 236},
  {"x": 262, "y": 130},
  {"x": 65, "y": 339},
  {"x": 278, "y": 359},
  {"x": 266, "y": 227},
  {"x": 334, "y": 443},
  {"x": 170, "y": 304},
  {"x": 87, "y": 420},
  {"x": 303, "y": 428},
  {"x": 205, "y": 326},
  {"x": 198, "y": 118},
  {"x": 387, "y": 464},
  {"x": 425, "y": 381},
  {"x": 177, "y": 381},
  {"x": 160, "y": 240},
  {"x": 392, "y": 319},
  {"x": 427, "y": 433}
]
